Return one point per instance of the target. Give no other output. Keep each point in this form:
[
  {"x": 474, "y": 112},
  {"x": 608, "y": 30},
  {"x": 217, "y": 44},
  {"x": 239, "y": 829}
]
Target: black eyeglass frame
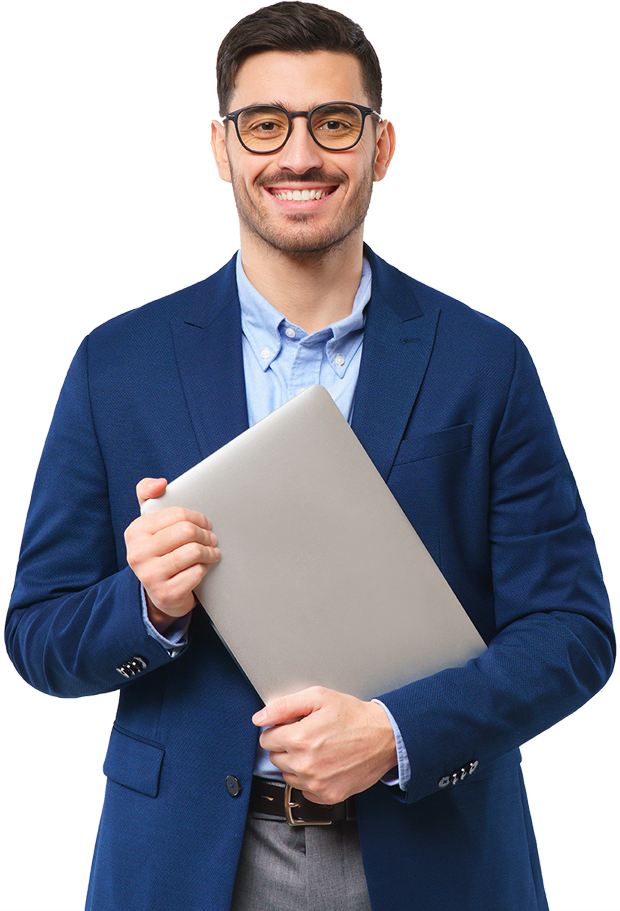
[{"x": 364, "y": 111}]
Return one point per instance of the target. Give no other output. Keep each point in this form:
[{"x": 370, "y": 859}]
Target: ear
[
  {"x": 386, "y": 145},
  {"x": 218, "y": 144}
]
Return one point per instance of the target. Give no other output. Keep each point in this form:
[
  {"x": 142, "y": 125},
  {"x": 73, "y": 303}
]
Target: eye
[
  {"x": 266, "y": 126},
  {"x": 262, "y": 123},
  {"x": 337, "y": 123},
  {"x": 333, "y": 126}
]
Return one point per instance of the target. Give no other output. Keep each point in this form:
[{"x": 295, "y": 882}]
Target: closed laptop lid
[{"x": 322, "y": 578}]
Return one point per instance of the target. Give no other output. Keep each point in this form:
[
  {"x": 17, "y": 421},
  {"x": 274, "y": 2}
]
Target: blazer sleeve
[
  {"x": 75, "y": 624},
  {"x": 554, "y": 645}
]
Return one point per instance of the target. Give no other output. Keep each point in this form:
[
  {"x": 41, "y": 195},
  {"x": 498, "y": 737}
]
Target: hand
[
  {"x": 169, "y": 551},
  {"x": 327, "y": 744}
]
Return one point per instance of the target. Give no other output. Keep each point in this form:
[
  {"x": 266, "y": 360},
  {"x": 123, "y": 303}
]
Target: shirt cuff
[
  {"x": 404, "y": 769},
  {"x": 175, "y": 639}
]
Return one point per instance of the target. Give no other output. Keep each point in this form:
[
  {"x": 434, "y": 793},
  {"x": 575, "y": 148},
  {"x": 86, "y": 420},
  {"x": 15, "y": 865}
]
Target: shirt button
[
  {"x": 290, "y": 332},
  {"x": 340, "y": 360},
  {"x": 233, "y": 785},
  {"x": 265, "y": 354}
]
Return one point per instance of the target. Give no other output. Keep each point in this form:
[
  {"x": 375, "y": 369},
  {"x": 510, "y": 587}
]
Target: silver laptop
[{"x": 322, "y": 579}]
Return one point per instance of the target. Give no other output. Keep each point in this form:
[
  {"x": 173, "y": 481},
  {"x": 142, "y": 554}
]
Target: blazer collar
[
  {"x": 398, "y": 341},
  {"x": 212, "y": 296}
]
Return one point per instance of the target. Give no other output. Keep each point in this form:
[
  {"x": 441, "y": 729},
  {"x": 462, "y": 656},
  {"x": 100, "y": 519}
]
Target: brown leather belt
[{"x": 279, "y": 801}]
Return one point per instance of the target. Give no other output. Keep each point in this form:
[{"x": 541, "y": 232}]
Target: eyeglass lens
[{"x": 334, "y": 126}]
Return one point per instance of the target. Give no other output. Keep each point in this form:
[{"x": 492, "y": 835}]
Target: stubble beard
[{"x": 298, "y": 239}]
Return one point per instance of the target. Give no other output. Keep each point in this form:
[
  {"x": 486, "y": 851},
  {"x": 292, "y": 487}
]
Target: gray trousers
[{"x": 309, "y": 868}]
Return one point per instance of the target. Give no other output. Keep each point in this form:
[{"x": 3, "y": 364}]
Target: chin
[{"x": 302, "y": 240}]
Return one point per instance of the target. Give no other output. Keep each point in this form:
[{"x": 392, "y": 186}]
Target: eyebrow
[{"x": 282, "y": 104}]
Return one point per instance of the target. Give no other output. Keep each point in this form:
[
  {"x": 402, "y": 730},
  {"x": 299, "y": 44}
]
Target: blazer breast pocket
[
  {"x": 134, "y": 762},
  {"x": 429, "y": 445}
]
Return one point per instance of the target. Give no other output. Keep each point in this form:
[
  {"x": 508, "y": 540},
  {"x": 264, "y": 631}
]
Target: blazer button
[{"x": 233, "y": 785}]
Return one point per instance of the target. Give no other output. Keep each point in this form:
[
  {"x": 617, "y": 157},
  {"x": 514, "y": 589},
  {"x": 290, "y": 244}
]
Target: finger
[
  {"x": 312, "y": 797},
  {"x": 152, "y": 522},
  {"x": 289, "y": 707},
  {"x": 280, "y": 738},
  {"x": 281, "y": 761},
  {"x": 298, "y": 783},
  {"x": 149, "y": 488},
  {"x": 181, "y": 535},
  {"x": 158, "y": 572},
  {"x": 180, "y": 559},
  {"x": 291, "y": 777}
]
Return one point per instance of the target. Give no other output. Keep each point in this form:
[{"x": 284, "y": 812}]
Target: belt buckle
[{"x": 290, "y": 805}]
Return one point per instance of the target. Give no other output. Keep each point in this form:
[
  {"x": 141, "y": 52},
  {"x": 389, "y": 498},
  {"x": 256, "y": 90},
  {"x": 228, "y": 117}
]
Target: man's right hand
[{"x": 169, "y": 551}]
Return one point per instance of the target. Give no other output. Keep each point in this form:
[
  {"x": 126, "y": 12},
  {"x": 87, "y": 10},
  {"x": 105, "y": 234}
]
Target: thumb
[
  {"x": 290, "y": 708},
  {"x": 150, "y": 488}
]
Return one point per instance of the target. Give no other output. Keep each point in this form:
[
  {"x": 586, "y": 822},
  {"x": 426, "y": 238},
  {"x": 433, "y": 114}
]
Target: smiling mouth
[{"x": 301, "y": 195}]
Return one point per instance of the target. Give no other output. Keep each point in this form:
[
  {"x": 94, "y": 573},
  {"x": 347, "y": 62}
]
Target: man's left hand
[{"x": 327, "y": 744}]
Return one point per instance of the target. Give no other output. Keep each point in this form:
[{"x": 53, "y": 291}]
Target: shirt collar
[{"x": 262, "y": 324}]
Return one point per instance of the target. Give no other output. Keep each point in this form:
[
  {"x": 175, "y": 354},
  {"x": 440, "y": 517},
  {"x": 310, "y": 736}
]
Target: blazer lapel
[
  {"x": 207, "y": 345},
  {"x": 398, "y": 342}
]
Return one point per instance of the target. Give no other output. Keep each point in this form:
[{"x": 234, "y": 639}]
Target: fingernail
[{"x": 259, "y": 717}]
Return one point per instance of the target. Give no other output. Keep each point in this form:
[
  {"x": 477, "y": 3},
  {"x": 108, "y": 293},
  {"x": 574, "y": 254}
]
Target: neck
[{"x": 310, "y": 290}]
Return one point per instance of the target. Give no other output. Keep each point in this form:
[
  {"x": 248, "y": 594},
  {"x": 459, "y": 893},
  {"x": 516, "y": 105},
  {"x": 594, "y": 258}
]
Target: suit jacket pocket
[
  {"x": 134, "y": 762},
  {"x": 425, "y": 446}
]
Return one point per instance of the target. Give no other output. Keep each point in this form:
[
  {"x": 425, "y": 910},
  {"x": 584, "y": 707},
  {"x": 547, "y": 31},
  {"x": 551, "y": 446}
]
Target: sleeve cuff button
[
  {"x": 459, "y": 775},
  {"x": 133, "y": 667}
]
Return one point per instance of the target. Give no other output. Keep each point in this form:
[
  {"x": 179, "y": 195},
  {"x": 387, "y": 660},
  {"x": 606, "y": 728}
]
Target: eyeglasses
[{"x": 265, "y": 128}]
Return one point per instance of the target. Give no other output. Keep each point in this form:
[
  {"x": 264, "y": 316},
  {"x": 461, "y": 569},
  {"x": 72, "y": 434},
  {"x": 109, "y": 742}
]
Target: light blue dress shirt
[{"x": 280, "y": 360}]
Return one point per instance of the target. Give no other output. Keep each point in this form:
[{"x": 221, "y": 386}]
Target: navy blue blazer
[{"x": 449, "y": 407}]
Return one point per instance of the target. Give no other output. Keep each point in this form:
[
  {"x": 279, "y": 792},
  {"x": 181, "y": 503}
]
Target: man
[{"x": 447, "y": 404}]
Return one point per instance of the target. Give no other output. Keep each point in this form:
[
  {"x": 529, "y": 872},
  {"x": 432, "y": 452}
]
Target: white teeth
[{"x": 300, "y": 195}]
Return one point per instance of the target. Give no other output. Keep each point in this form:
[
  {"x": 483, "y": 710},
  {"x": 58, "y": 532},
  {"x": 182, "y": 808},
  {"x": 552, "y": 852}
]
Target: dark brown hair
[{"x": 296, "y": 27}]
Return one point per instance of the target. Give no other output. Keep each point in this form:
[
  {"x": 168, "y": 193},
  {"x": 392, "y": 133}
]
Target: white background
[
  {"x": 569, "y": 291},
  {"x": 569, "y": 286}
]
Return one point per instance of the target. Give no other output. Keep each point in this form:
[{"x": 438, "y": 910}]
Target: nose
[{"x": 300, "y": 152}]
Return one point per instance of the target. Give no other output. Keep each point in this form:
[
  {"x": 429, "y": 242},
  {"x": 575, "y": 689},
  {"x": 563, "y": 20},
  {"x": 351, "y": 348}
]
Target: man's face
[{"x": 342, "y": 180}]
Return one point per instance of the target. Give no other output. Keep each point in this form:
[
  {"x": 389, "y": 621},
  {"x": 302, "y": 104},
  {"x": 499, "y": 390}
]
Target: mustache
[{"x": 285, "y": 177}]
